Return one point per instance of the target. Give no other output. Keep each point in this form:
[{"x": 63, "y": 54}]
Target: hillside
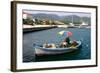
[{"x": 64, "y": 19}]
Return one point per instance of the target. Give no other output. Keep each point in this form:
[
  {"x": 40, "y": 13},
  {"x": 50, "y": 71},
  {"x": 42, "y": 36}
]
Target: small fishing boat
[{"x": 40, "y": 50}]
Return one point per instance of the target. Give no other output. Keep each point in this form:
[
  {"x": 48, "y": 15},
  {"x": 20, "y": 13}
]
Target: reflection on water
[{"x": 50, "y": 36}]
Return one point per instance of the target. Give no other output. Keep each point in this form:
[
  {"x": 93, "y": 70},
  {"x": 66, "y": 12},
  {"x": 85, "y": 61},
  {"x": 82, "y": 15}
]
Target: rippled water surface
[{"x": 50, "y": 36}]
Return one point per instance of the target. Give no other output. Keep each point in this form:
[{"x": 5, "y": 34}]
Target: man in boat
[
  {"x": 67, "y": 39},
  {"x": 65, "y": 43}
]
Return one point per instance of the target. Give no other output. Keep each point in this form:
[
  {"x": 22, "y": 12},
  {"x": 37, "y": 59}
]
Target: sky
[{"x": 59, "y": 13}]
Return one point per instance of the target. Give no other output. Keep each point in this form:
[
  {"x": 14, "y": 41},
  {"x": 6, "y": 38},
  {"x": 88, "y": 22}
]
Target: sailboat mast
[
  {"x": 81, "y": 20},
  {"x": 72, "y": 19}
]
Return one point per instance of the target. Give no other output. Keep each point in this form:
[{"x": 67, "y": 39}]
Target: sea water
[{"x": 51, "y": 36}]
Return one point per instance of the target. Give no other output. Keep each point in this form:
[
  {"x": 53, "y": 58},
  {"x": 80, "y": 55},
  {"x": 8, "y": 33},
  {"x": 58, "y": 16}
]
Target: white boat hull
[{"x": 53, "y": 51}]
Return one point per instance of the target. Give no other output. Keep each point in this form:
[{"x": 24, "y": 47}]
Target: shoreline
[
  {"x": 30, "y": 28},
  {"x": 33, "y": 29}
]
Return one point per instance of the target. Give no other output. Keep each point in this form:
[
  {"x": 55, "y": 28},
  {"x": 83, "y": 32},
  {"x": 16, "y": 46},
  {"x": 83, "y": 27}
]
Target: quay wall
[{"x": 26, "y": 30}]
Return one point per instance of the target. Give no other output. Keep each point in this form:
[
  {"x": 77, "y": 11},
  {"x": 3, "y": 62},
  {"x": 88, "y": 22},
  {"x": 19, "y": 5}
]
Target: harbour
[{"x": 50, "y": 35}]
